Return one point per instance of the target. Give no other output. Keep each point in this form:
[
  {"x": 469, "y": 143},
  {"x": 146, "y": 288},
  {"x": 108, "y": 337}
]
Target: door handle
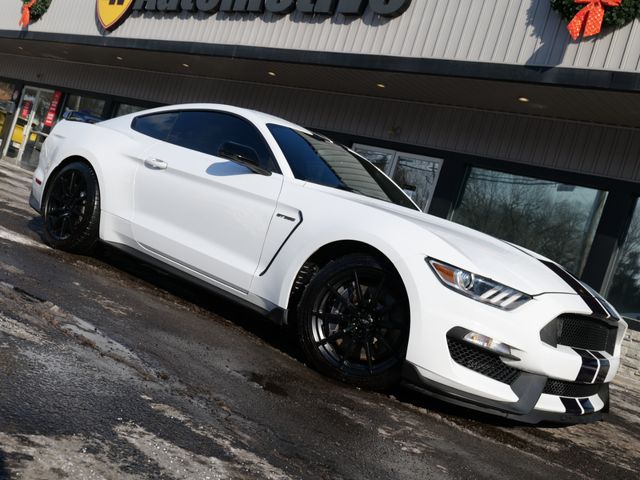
[{"x": 155, "y": 164}]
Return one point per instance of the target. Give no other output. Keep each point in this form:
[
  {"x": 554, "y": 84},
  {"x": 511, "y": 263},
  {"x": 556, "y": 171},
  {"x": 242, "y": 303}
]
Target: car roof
[{"x": 252, "y": 115}]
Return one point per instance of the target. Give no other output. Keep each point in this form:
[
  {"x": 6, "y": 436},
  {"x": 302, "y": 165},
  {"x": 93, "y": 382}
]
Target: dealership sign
[{"x": 113, "y": 12}]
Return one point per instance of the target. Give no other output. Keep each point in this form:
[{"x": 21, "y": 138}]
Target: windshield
[{"x": 315, "y": 159}]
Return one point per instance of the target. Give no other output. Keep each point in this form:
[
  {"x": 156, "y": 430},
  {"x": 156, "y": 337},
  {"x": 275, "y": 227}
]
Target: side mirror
[{"x": 242, "y": 155}]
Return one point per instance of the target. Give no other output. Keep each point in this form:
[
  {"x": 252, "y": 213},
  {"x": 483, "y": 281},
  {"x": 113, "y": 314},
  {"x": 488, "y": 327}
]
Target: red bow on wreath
[
  {"x": 26, "y": 13},
  {"x": 590, "y": 17}
]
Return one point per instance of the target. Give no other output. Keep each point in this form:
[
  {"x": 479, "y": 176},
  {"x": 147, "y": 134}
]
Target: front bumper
[
  {"x": 580, "y": 376},
  {"x": 529, "y": 388}
]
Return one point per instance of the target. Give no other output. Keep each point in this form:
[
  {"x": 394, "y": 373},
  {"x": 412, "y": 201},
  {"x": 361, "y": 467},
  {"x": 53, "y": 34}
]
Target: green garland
[
  {"x": 613, "y": 16},
  {"x": 38, "y": 9}
]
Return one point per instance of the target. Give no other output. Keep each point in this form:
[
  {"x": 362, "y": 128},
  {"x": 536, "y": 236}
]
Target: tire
[
  {"x": 353, "y": 322},
  {"x": 71, "y": 209}
]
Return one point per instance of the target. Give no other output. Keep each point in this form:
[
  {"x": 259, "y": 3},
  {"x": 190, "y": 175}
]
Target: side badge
[{"x": 111, "y": 12}]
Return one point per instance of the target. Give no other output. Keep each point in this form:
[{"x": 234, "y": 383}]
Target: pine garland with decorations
[
  {"x": 37, "y": 8},
  {"x": 613, "y": 16}
]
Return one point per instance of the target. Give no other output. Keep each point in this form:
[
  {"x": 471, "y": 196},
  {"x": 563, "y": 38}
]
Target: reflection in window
[
  {"x": 126, "y": 109},
  {"x": 624, "y": 293},
  {"x": 417, "y": 176},
  {"x": 554, "y": 219},
  {"x": 6, "y": 108},
  {"x": 380, "y": 157},
  {"x": 317, "y": 160},
  {"x": 156, "y": 125},
  {"x": 85, "y": 105}
]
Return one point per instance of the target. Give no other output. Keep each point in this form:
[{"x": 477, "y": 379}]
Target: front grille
[
  {"x": 586, "y": 332},
  {"x": 481, "y": 361},
  {"x": 571, "y": 389}
]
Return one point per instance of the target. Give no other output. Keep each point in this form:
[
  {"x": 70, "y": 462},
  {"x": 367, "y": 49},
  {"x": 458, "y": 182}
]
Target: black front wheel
[
  {"x": 353, "y": 322},
  {"x": 71, "y": 209}
]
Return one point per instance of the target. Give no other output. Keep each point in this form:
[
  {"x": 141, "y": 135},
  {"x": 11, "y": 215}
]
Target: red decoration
[
  {"x": 590, "y": 17},
  {"x": 27, "y": 105},
  {"x": 26, "y": 13},
  {"x": 53, "y": 109}
]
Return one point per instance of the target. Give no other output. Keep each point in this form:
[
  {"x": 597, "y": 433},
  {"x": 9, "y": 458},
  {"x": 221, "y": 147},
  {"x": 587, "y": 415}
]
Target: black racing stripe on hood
[{"x": 591, "y": 301}]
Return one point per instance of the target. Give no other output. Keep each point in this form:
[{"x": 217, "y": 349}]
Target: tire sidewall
[
  {"x": 86, "y": 233},
  {"x": 378, "y": 381}
]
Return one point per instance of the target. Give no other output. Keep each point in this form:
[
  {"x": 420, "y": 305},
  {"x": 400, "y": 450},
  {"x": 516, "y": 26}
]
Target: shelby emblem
[{"x": 112, "y": 12}]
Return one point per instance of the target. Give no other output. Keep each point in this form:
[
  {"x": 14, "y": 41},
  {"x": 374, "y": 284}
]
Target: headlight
[{"x": 479, "y": 288}]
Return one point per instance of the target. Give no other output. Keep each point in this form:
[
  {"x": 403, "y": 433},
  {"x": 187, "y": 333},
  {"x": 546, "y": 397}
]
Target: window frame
[{"x": 274, "y": 166}]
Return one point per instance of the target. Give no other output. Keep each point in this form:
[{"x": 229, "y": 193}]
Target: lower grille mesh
[
  {"x": 571, "y": 389},
  {"x": 481, "y": 362}
]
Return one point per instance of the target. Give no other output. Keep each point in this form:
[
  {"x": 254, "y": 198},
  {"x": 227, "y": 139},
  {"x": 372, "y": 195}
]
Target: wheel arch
[
  {"x": 325, "y": 254},
  {"x": 66, "y": 161}
]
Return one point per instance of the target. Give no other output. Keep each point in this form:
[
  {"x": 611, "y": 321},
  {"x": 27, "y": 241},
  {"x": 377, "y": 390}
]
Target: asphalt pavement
[{"x": 112, "y": 369}]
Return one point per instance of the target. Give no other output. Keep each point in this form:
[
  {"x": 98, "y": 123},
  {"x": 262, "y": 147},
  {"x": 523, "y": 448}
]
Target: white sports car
[{"x": 309, "y": 233}]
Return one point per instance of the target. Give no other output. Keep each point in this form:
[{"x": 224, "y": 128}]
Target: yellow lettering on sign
[{"x": 110, "y": 12}]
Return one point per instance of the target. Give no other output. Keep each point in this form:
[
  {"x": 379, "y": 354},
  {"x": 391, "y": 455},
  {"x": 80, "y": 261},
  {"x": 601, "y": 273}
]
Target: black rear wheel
[
  {"x": 71, "y": 209},
  {"x": 353, "y": 322}
]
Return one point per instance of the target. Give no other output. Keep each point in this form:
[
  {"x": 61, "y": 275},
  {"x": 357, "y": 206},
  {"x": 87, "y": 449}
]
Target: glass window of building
[
  {"x": 624, "y": 292},
  {"x": 6, "y": 108},
  {"x": 380, "y": 157},
  {"x": 126, "y": 109},
  {"x": 417, "y": 175},
  {"x": 557, "y": 220},
  {"x": 86, "y": 105}
]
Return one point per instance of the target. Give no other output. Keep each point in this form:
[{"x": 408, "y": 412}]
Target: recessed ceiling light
[
  {"x": 272, "y": 74},
  {"x": 381, "y": 85},
  {"x": 523, "y": 99},
  {"x": 119, "y": 58},
  {"x": 186, "y": 65}
]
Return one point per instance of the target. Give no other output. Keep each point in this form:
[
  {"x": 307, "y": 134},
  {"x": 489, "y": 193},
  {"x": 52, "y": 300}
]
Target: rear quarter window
[{"x": 156, "y": 125}]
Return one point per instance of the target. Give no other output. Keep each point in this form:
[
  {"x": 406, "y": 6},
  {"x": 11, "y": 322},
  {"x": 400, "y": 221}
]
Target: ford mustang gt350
[{"x": 311, "y": 234}]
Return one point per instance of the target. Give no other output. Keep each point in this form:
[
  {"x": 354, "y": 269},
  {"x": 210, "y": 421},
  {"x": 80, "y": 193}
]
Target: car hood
[{"x": 482, "y": 254}]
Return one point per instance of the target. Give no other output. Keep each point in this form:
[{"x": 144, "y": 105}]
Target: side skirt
[{"x": 272, "y": 312}]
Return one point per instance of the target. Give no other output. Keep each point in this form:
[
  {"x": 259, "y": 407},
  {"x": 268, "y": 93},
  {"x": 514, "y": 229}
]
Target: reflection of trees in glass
[
  {"x": 547, "y": 217},
  {"x": 420, "y": 174},
  {"x": 625, "y": 287}
]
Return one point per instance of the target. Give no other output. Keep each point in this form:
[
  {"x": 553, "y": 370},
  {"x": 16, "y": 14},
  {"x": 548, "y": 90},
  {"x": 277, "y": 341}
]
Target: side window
[
  {"x": 157, "y": 125},
  {"x": 207, "y": 131}
]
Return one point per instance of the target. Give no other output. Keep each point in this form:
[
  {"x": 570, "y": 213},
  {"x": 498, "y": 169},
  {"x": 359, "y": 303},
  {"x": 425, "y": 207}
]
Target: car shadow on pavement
[{"x": 280, "y": 337}]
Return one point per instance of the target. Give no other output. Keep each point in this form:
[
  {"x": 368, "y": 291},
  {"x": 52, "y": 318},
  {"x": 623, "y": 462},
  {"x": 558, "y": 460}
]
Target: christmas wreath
[
  {"x": 591, "y": 15},
  {"x": 32, "y": 10}
]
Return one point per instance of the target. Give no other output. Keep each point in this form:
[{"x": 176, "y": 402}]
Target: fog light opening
[{"x": 488, "y": 343}]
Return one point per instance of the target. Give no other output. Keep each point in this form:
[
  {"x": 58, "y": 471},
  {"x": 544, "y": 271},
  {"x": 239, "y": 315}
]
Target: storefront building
[{"x": 486, "y": 112}]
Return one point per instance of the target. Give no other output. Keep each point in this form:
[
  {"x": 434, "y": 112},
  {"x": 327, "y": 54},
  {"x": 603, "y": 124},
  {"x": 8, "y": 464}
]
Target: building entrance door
[{"x": 36, "y": 116}]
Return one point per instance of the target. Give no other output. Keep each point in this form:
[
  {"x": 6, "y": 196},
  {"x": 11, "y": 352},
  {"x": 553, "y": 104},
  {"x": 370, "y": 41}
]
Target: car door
[{"x": 201, "y": 212}]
